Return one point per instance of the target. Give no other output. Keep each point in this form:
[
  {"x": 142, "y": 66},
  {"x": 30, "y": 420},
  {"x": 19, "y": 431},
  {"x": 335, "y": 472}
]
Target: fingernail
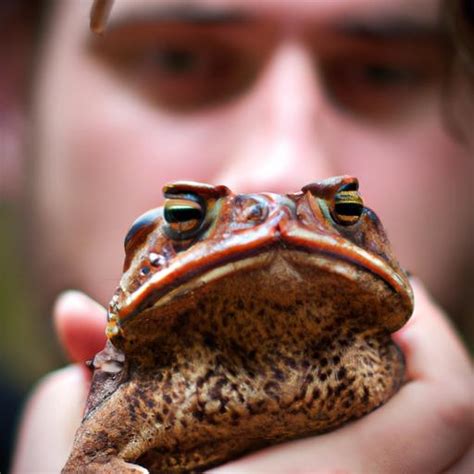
[{"x": 76, "y": 301}]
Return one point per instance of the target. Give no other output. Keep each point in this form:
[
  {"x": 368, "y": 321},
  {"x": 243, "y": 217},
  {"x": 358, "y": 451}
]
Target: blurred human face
[{"x": 260, "y": 97}]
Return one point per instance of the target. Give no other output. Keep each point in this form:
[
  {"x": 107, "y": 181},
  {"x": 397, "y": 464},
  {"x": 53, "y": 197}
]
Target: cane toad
[{"x": 242, "y": 320}]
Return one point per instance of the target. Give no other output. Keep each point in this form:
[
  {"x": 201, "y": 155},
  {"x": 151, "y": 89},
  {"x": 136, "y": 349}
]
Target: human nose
[{"x": 279, "y": 143}]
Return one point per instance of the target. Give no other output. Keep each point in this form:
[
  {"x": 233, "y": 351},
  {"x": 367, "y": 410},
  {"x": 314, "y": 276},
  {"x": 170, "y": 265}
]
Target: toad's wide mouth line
[{"x": 197, "y": 269}]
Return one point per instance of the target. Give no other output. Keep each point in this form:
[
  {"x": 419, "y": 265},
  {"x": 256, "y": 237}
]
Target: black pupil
[
  {"x": 348, "y": 209},
  {"x": 182, "y": 214},
  {"x": 176, "y": 60},
  {"x": 385, "y": 75},
  {"x": 354, "y": 186}
]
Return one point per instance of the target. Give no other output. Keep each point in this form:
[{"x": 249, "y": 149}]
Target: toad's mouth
[{"x": 293, "y": 244}]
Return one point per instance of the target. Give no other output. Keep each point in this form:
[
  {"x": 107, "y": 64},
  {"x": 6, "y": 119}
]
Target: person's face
[{"x": 265, "y": 96}]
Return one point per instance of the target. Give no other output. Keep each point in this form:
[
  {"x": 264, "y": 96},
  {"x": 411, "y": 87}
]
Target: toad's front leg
[
  {"x": 112, "y": 435},
  {"x": 118, "y": 425},
  {"x": 110, "y": 466}
]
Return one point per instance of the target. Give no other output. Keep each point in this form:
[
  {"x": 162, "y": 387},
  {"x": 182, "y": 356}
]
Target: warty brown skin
[{"x": 242, "y": 321}]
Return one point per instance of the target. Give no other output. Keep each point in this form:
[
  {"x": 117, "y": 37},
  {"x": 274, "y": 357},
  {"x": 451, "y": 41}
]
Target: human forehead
[{"x": 316, "y": 11}]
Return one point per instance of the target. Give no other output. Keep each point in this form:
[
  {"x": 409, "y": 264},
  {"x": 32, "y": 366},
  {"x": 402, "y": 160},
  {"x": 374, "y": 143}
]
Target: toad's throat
[{"x": 347, "y": 261}]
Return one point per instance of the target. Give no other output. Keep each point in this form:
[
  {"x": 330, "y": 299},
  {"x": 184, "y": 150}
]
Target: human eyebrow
[
  {"x": 183, "y": 12},
  {"x": 397, "y": 28}
]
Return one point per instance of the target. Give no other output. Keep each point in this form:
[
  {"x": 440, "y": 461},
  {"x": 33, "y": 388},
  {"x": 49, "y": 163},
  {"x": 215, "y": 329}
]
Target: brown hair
[{"x": 458, "y": 16}]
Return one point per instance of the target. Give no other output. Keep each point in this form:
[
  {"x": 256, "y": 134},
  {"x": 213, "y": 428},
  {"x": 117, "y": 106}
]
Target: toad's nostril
[
  {"x": 254, "y": 212},
  {"x": 250, "y": 209}
]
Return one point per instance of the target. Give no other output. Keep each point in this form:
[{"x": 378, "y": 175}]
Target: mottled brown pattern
[{"x": 293, "y": 343}]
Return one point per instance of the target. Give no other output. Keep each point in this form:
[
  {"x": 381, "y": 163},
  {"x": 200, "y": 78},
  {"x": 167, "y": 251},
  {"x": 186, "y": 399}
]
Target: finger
[
  {"x": 406, "y": 435},
  {"x": 431, "y": 346},
  {"x": 50, "y": 420},
  {"x": 465, "y": 465},
  {"x": 425, "y": 427},
  {"x": 80, "y": 325}
]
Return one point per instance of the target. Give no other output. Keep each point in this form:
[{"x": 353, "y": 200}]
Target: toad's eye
[
  {"x": 184, "y": 215},
  {"x": 348, "y": 206}
]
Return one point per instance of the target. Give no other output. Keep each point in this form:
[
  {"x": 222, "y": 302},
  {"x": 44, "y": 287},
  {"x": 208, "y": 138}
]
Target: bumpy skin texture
[{"x": 269, "y": 320}]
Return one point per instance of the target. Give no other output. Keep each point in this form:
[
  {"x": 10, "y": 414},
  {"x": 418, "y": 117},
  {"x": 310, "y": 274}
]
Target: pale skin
[{"x": 268, "y": 138}]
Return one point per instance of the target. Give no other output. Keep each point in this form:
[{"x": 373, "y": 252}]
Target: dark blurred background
[{"x": 27, "y": 345}]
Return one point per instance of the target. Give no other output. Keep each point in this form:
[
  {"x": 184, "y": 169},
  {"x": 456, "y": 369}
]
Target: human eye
[
  {"x": 181, "y": 70},
  {"x": 381, "y": 81},
  {"x": 177, "y": 61},
  {"x": 378, "y": 75}
]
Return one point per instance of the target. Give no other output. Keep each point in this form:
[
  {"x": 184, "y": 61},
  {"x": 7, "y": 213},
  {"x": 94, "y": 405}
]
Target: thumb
[{"x": 80, "y": 325}]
